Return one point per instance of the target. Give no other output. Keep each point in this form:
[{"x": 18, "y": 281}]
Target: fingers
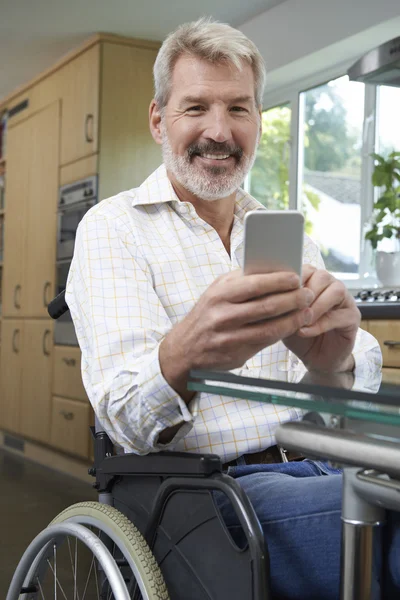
[
  {"x": 268, "y": 307},
  {"x": 236, "y": 287},
  {"x": 269, "y": 332},
  {"x": 343, "y": 319},
  {"x": 333, "y": 307},
  {"x": 306, "y": 272},
  {"x": 329, "y": 293}
]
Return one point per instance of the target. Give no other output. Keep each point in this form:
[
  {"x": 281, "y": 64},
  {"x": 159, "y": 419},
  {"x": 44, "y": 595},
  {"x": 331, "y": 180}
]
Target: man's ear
[
  {"x": 155, "y": 122},
  {"x": 260, "y": 128}
]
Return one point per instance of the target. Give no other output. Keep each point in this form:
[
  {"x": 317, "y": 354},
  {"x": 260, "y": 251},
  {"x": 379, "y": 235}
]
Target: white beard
[{"x": 209, "y": 184}]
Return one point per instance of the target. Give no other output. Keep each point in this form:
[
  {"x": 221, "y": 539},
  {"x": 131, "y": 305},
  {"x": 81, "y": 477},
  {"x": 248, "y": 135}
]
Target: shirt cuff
[
  {"x": 367, "y": 357},
  {"x": 164, "y": 406}
]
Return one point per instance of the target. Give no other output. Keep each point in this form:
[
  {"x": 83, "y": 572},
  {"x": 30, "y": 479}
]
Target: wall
[{"x": 299, "y": 38}]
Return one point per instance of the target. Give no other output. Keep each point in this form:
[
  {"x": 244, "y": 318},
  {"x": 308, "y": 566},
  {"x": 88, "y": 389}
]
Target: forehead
[{"x": 192, "y": 75}]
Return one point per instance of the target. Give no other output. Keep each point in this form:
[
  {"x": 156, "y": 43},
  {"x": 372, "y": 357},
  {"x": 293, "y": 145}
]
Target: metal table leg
[
  {"x": 367, "y": 492},
  {"x": 360, "y": 520}
]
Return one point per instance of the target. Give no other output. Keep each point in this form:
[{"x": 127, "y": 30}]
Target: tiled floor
[{"x": 30, "y": 496}]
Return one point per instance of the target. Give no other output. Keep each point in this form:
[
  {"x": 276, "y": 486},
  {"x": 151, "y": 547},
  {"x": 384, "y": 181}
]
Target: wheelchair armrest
[{"x": 163, "y": 463}]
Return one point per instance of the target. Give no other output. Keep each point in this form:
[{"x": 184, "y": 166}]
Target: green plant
[{"x": 385, "y": 221}]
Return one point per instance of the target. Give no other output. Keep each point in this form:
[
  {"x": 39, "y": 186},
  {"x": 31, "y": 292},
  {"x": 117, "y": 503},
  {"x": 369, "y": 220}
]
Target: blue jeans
[{"x": 299, "y": 508}]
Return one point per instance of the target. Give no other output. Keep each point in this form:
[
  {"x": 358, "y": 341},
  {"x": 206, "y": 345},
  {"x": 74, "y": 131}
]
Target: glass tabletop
[{"x": 373, "y": 399}]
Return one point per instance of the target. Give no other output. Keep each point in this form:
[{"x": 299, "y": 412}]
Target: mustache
[{"x": 215, "y": 148}]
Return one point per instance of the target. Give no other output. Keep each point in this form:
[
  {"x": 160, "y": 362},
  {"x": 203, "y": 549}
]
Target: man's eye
[
  {"x": 238, "y": 109},
  {"x": 197, "y": 108}
]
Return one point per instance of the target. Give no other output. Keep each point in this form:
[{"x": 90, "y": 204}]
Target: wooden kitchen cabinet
[
  {"x": 35, "y": 404},
  {"x": 31, "y": 229},
  {"x": 387, "y": 332},
  {"x": 80, "y": 83},
  {"x": 391, "y": 375},
  {"x": 42, "y": 223},
  {"x": 127, "y": 152},
  {"x": 18, "y": 151},
  {"x": 11, "y": 361},
  {"x": 70, "y": 422},
  {"x": 67, "y": 379},
  {"x": 86, "y": 115},
  {"x": 25, "y": 384}
]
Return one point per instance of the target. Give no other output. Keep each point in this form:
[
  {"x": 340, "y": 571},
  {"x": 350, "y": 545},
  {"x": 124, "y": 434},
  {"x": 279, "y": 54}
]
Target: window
[
  {"x": 330, "y": 158},
  {"x": 388, "y": 129},
  {"x": 315, "y": 156},
  {"x": 269, "y": 178}
]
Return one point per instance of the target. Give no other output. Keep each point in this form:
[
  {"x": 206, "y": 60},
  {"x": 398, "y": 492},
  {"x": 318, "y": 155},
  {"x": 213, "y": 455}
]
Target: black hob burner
[{"x": 378, "y": 296}]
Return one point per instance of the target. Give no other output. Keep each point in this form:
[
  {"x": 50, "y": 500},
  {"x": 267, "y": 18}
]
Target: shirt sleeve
[{"x": 120, "y": 323}]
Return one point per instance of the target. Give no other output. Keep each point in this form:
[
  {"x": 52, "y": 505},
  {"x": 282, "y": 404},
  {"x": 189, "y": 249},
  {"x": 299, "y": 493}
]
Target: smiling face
[{"x": 210, "y": 127}]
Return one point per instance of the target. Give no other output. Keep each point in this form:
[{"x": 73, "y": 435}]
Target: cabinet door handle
[
  {"x": 391, "y": 343},
  {"x": 67, "y": 415},
  {"x": 70, "y": 362},
  {"x": 15, "y": 348},
  {"x": 46, "y": 352},
  {"x": 17, "y": 303},
  {"x": 46, "y": 287},
  {"x": 89, "y": 128}
]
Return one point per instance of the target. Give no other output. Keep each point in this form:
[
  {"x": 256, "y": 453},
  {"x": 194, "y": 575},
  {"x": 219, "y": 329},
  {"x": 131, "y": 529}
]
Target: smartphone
[{"x": 273, "y": 241}]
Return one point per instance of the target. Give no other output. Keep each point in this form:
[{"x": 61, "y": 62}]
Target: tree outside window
[{"x": 269, "y": 177}]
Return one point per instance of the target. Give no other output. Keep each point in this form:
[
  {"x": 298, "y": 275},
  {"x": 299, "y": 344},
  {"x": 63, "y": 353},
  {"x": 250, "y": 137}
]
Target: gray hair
[{"x": 213, "y": 41}]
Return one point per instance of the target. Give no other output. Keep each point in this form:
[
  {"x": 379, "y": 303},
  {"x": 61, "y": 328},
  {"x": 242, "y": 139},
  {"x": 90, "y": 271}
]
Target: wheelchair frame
[{"x": 169, "y": 497}]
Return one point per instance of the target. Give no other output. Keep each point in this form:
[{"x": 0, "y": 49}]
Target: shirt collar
[{"x": 157, "y": 189}]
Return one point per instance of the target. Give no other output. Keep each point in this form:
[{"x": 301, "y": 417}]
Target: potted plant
[{"x": 385, "y": 221}]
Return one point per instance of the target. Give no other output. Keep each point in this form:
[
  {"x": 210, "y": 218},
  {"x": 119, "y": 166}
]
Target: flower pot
[{"x": 388, "y": 268}]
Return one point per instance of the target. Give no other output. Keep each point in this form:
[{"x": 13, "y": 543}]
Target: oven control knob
[
  {"x": 363, "y": 295},
  {"x": 377, "y": 295}
]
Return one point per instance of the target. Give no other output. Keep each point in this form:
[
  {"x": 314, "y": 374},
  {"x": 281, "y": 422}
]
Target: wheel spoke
[
  {"x": 76, "y": 595},
  {"x": 55, "y": 570},
  {"x": 40, "y": 588},
  {"x": 110, "y": 595},
  {"x": 56, "y": 581},
  {"x": 97, "y": 583},
  {"x": 88, "y": 578},
  {"x": 74, "y": 568}
]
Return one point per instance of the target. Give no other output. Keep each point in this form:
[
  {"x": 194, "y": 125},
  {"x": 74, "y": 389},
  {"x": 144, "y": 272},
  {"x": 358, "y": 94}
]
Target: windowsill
[{"x": 354, "y": 282}]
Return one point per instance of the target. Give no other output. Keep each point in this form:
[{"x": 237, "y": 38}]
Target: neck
[{"x": 217, "y": 213}]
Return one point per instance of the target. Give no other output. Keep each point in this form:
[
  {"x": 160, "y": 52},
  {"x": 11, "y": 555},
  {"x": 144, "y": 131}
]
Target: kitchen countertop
[{"x": 379, "y": 310}]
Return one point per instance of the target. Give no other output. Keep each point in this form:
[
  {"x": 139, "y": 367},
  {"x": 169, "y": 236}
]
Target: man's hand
[
  {"x": 234, "y": 319},
  {"x": 326, "y": 343}
]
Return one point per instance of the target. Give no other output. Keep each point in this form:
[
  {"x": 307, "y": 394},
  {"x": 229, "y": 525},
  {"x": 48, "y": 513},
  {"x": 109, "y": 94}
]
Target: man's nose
[{"x": 218, "y": 127}]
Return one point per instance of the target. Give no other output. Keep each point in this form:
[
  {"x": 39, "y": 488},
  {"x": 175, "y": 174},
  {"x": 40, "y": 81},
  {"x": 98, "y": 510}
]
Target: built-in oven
[{"x": 74, "y": 200}]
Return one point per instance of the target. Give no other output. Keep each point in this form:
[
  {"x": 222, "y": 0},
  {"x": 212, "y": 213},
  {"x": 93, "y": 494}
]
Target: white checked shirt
[{"x": 142, "y": 259}]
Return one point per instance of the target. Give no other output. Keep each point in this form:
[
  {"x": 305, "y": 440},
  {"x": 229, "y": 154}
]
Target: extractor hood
[{"x": 381, "y": 65}]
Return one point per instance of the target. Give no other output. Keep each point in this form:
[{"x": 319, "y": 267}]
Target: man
[{"x": 156, "y": 288}]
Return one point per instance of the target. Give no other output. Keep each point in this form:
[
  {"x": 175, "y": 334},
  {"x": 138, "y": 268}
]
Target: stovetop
[
  {"x": 379, "y": 304},
  {"x": 382, "y": 295}
]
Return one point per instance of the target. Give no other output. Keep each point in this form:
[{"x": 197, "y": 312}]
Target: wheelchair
[{"x": 155, "y": 533}]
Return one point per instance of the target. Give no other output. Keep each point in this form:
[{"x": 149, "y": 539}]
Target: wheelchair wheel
[{"x": 110, "y": 560}]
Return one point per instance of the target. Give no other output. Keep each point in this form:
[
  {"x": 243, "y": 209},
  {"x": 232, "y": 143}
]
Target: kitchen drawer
[
  {"x": 67, "y": 380},
  {"x": 70, "y": 421},
  {"x": 388, "y": 335},
  {"x": 391, "y": 376}
]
